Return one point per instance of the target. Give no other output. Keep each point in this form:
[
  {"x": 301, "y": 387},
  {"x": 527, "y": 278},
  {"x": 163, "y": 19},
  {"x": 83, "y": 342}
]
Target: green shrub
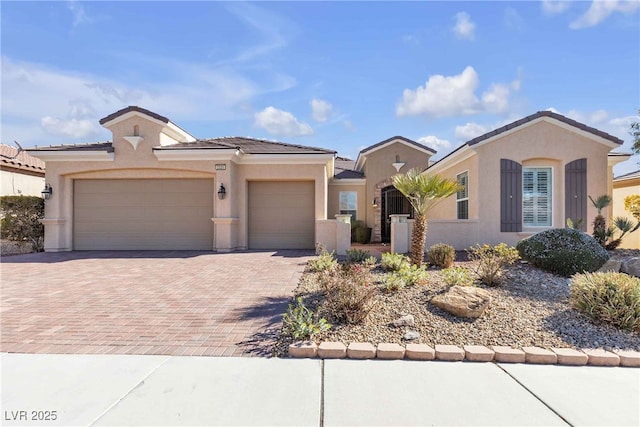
[
  {"x": 393, "y": 282},
  {"x": 21, "y": 217},
  {"x": 325, "y": 261},
  {"x": 488, "y": 262},
  {"x": 394, "y": 261},
  {"x": 413, "y": 275},
  {"x": 303, "y": 323},
  {"x": 348, "y": 293},
  {"x": 457, "y": 276},
  {"x": 441, "y": 255},
  {"x": 358, "y": 256},
  {"x": 609, "y": 297},
  {"x": 563, "y": 251}
]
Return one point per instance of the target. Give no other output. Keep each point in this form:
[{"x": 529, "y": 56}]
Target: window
[
  {"x": 536, "y": 197},
  {"x": 349, "y": 203},
  {"x": 462, "y": 196}
]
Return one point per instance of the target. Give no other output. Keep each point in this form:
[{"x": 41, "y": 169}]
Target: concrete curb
[{"x": 469, "y": 353}]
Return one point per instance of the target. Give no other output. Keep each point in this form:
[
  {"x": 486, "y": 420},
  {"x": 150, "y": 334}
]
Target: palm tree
[
  {"x": 599, "y": 224},
  {"x": 423, "y": 192}
]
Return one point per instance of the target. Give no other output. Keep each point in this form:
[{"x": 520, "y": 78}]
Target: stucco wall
[
  {"x": 622, "y": 189},
  {"x": 15, "y": 183},
  {"x": 334, "y": 199}
]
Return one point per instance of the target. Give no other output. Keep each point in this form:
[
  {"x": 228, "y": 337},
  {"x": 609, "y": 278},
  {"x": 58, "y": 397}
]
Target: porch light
[
  {"x": 374, "y": 202},
  {"x": 222, "y": 192},
  {"x": 47, "y": 192}
]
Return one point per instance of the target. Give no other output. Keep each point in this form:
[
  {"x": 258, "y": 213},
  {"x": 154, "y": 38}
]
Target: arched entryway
[{"x": 393, "y": 203}]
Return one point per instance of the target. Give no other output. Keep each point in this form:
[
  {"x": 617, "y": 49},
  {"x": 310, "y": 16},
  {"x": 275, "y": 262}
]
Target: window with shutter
[
  {"x": 510, "y": 196},
  {"x": 536, "y": 197}
]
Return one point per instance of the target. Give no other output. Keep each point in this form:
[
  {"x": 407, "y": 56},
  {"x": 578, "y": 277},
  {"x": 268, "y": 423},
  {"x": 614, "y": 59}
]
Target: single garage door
[
  {"x": 281, "y": 215},
  {"x": 143, "y": 214}
]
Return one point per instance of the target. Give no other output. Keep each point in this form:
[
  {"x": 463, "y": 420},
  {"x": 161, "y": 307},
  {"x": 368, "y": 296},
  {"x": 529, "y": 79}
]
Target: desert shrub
[
  {"x": 348, "y": 293},
  {"x": 632, "y": 204},
  {"x": 609, "y": 297},
  {"x": 393, "y": 282},
  {"x": 441, "y": 255},
  {"x": 488, "y": 262},
  {"x": 413, "y": 275},
  {"x": 323, "y": 262},
  {"x": 21, "y": 217},
  {"x": 457, "y": 276},
  {"x": 302, "y": 323},
  {"x": 563, "y": 251},
  {"x": 394, "y": 261},
  {"x": 358, "y": 256}
]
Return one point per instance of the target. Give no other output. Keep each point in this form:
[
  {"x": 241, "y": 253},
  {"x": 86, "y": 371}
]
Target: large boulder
[
  {"x": 463, "y": 301},
  {"x": 631, "y": 266},
  {"x": 563, "y": 251}
]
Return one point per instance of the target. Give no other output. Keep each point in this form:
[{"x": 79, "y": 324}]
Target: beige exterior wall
[
  {"x": 230, "y": 214},
  {"x": 539, "y": 144},
  {"x": 15, "y": 183},
  {"x": 622, "y": 189},
  {"x": 334, "y": 199}
]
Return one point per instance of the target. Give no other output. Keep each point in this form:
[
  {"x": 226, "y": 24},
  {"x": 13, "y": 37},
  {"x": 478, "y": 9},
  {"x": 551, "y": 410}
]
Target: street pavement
[{"x": 46, "y": 389}]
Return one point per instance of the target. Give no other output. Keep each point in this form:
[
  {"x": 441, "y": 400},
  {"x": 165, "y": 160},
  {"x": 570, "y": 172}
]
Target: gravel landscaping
[{"x": 530, "y": 309}]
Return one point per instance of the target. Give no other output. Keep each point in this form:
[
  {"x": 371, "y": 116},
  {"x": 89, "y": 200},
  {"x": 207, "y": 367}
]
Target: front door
[{"x": 393, "y": 203}]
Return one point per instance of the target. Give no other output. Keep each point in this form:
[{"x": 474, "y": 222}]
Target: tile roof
[
  {"x": 22, "y": 160},
  {"x": 630, "y": 175},
  {"x": 345, "y": 169},
  {"x": 247, "y": 145},
  {"x": 91, "y": 146},
  {"x": 539, "y": 114},
  {"x": 129, "y": 109},
  {"x": 402, "y": 138}
]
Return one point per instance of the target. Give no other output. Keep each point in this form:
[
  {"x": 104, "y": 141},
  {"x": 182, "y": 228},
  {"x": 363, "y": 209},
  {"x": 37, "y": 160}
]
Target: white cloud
[
  {"x": 601, "y": 10},
  {"x": 434, "y": 142},
  {"x": 349, "y": 125},
  {"x": 593, "y": 118},
  {"x": 443, "y": 96},
  {"x": 320, "y": 110},
  {"x": 513, "y": 20},
  {"x": 279, "y": 122},
  {"x": 73, "y": 128},
  {"x": 79, "y": 14},
  {"x": 464, "y": 28},
  {"x": 555, "y": 7},
  {"x": 470, "y": 130}
]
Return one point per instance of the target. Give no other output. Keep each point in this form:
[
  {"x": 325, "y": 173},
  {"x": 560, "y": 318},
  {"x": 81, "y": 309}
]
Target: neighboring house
[
  {"x": 623, "y": 186},
  {"x": 20, "y": 173},
  {"x": 155, "y": 186}
]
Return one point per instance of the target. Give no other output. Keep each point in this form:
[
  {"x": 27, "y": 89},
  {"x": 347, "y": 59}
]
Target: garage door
[
  {"x": 143, "y": 214},
  {"x": 281, "y": 215}
]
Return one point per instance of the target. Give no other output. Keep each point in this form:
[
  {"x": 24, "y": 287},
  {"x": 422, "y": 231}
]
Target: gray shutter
[
  {"x": 510, "y": 196},
  {"x": 575, "y": 191}
]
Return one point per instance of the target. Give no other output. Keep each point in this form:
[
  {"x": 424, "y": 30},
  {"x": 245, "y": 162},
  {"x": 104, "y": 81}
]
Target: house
[
  {"x": 623, "y": 186},
  {"x": 20, "y": 173},
  {"x": 155, "y": 186}
]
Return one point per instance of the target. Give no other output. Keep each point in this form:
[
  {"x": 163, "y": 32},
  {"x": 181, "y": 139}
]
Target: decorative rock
[
  {"x": 569, "y": 356},
  {"x": 411, "y": 335},
  {"x": 303, "y": 349},
  {"x": 539, "y": 355},
  {"x": 332, "y": 350},
  {"x": 631, "y": 267},
  {"x": 389, "y": 351},
  {"x": 361, "y": 350},
  {"x": 629, "y": 358},
  {"x": 463, "y": 301},
  {"x": 505, "y": 354},
  {"x": 449, "y": 353},
  {"x": 612, "y": 265},
  {"x": 600, "y": 357},
  {"x": 406, "y": 320},
  {"x": 478, "y": 353},
  {"x": 419, "y": 352}
]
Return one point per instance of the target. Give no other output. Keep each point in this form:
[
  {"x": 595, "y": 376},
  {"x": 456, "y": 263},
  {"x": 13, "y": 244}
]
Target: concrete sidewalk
[{"x": 171, "y": 390}]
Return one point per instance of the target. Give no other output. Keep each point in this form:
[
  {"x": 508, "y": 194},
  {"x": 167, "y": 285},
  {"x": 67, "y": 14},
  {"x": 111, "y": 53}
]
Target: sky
[{"x": 337, "y": 75}]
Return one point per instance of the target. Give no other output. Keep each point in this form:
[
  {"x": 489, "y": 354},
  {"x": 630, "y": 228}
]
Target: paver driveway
[{"x": 174, "y": 303}]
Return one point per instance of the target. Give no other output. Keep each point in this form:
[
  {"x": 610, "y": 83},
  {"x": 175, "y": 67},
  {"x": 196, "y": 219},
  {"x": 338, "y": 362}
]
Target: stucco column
[
  {"x": 400, "y": 236},
  {"x": 225, "y": 223},
  {"x": 57, "y": 215},
  {"x": 343, "y": 234}
]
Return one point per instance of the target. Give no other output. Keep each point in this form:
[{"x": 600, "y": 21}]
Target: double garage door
[{"x": 175, "y": 214}]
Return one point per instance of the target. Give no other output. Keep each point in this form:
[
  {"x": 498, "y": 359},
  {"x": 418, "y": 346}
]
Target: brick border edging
[{"x": 471, "y": 353}]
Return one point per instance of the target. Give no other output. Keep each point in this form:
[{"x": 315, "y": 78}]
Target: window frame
[
  {"x": 462, "y": 199},
  {"x": 352, "y": 212},
  {"x": 536, "y": 223}
]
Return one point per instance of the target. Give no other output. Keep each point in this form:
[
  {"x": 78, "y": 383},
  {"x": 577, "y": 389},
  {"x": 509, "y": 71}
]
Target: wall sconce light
[
  {"x": 47, "y": 192},
  {"x": 222, "y": 192},
  {"x": 374, "y": 202}
]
